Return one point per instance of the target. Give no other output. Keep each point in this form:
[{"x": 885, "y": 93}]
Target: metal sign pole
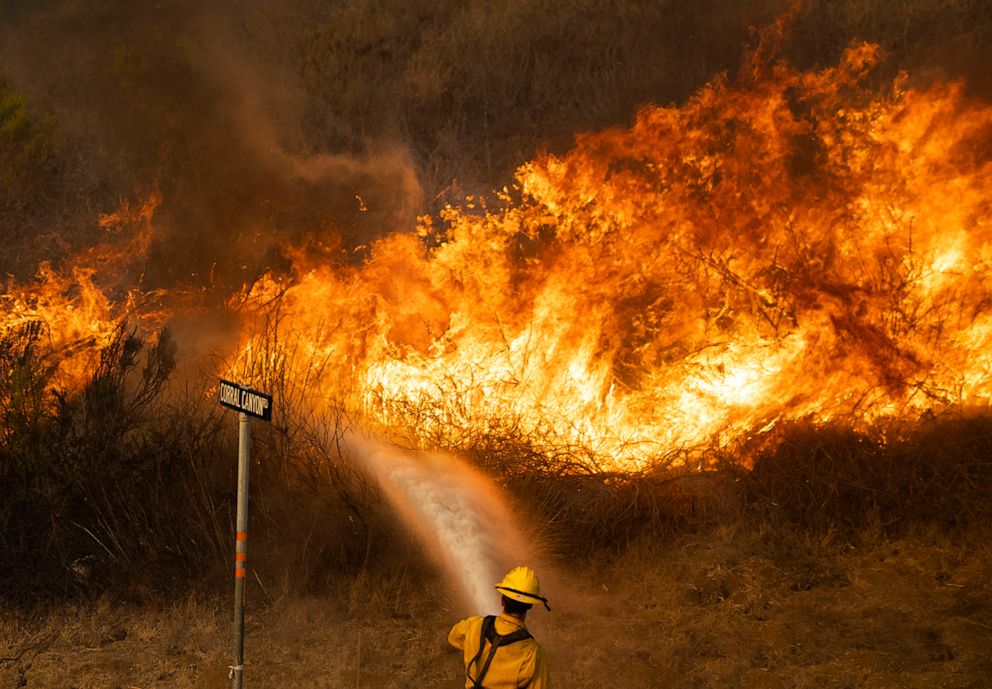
[
  {"x": 247, "y": 402},
  {"x": 241, "y": 549}
]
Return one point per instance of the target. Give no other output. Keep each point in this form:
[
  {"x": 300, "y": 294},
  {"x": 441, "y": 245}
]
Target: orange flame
[
  {"x": 78, "y": 307},
  {"x": 791, "y": 244},
  {"x": 785, "y": 245}
]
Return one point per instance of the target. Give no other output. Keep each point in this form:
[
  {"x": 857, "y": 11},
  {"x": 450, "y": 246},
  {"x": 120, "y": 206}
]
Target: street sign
[
  {"x": 249, "y": 403},
  {"x": 246, "y": 400}
]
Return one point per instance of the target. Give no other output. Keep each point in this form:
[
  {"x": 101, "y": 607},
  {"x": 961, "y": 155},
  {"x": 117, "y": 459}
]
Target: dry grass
[
  {"x": 729, "y": 607},
  {"x": 105, "y": 644}
]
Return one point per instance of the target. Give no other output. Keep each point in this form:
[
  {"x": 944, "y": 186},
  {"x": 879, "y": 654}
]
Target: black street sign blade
[{"x": 244, "y": 399}]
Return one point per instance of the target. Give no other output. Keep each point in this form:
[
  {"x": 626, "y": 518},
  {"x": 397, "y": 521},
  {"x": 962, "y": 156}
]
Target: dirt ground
[{"x": 721, "y": 610}]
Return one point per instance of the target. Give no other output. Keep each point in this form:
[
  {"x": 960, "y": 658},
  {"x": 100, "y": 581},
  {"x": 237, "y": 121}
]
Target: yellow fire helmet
[{"x": 521, "y": 584}]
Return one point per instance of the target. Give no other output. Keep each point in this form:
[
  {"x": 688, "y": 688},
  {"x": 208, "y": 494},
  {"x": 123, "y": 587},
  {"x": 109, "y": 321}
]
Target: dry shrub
[
  {"x": 315, "y": 519},
  {"x": 315, "y": 515},
  {"x": 941, "y": 472},
  {"x": 604, "y": 513},
  {"x": 127, "y": 485},
  {"x": 105, "y": 484},
  {"x": 821, "y": 478},
  {"x": 577, "y": 509}
]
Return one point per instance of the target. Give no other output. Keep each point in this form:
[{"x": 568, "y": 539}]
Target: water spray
[{"x": 456, "y": 512}]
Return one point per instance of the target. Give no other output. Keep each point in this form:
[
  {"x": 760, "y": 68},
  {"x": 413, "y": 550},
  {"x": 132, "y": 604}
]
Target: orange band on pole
[
  {"x": 242, "y": 536},
  {"x": 239, "y": 572},
  {"x": 240, "y": 557}
]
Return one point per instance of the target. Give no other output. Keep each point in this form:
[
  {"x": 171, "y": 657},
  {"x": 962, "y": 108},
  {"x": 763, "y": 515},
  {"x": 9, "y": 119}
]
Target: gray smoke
[{"x": 203, "y": 104}]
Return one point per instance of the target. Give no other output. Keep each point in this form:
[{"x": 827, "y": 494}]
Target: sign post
[{"x": 247, "y": 403}]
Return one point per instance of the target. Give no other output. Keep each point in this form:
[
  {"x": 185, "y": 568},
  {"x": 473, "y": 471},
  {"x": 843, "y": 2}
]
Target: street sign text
[{"x": 240, "y": 398}]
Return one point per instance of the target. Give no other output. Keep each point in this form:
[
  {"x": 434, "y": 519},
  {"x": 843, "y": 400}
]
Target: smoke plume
[{"x": 201, "y": 106}]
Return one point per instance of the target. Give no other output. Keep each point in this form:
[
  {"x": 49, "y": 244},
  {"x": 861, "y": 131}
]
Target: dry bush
[
  {"x": 945, "y": 35},
  {"x": 315, "y": 515},
  {"x": 478, "y": 88},
  {"x": 129, "y": 483},
  {"x": 941, "y": 472},
  {"x": 821, "y": 478},
  {"x": 107, "y": 485},
  {"x": 576, "y": 508}
]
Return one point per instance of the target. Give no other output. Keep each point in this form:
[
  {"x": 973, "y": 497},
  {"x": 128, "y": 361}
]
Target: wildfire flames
[
  {"x": 785, "y": 244},
  {"x": 73, "y": 311}
]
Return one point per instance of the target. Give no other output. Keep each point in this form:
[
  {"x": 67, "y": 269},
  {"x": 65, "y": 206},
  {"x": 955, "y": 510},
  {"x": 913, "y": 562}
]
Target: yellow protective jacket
[{"x": 520, "y": 664}]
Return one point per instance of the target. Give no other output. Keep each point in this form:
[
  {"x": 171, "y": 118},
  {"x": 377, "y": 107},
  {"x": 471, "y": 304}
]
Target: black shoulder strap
[
  {"x": 495, "y": 641},
  {"x": 490, "y": 635},
  {"x": 488, "y": 626}
]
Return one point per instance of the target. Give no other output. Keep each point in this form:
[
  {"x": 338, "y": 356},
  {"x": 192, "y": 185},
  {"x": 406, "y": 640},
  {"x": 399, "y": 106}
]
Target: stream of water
[{"x": 457, "y": 514}]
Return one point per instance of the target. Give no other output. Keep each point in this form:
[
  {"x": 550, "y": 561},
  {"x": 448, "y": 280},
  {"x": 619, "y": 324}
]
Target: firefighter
[{"x": 498, "y": 651}]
